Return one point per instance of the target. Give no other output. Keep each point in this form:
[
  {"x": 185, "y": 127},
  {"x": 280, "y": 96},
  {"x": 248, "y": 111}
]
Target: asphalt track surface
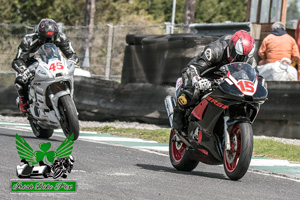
[{"x": 111, "y": 171}]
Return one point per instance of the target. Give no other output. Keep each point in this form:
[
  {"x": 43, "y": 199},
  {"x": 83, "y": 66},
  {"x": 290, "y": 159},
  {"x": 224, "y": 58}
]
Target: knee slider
[{"x": 18, "y": 86}]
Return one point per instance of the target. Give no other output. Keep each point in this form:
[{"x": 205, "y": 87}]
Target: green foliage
[
  {"x": 125, "y": 12},
  {"x": 31, "y": 12},
  {"x": 207, "y": 11},
  {"x": 212, "y": 11},
  {"x": 8, "y": 12},
  {"x": 293, "y": 11},
  {"x": 162, "y": 10}
]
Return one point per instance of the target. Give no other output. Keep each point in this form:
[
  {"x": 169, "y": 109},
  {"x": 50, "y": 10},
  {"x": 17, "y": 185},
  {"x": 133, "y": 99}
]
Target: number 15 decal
[
  {"x": 247, "y": 87},
  {"x": 56, "y": 66}
]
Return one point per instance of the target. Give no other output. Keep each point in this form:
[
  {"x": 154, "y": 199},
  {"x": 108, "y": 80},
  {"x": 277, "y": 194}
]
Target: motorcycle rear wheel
[
  {"x": 39, "y": 131},
  {"x": 180, "y": 156},
  {"x": 69, "y": 119},
  {"x": 237, "y": 160}
]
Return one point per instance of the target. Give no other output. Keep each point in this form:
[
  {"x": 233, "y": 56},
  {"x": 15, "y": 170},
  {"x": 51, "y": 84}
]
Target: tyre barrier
[{"x": 159, "y": 59}]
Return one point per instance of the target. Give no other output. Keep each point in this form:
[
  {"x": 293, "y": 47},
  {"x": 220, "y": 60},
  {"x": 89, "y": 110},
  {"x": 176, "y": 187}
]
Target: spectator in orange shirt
[
  {"x": 297, "y": 35},
  {"x": 278, "y": 45}
]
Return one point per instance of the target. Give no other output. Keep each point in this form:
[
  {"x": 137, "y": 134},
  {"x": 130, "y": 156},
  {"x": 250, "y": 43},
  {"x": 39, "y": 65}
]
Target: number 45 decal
[{"x": 56, "y": 66}]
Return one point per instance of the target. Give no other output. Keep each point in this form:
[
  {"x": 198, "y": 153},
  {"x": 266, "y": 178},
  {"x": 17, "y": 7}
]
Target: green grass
[
  {"x": 275, "y": 149},
  {"x": 262, "y": 147},
  {"x": 159, "y": 135}
]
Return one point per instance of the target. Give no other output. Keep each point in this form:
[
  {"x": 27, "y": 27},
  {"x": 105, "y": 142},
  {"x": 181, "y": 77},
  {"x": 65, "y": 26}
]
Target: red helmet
[
  {"x": 47, "y": 30},
  {"x": 241, "y": 47}
]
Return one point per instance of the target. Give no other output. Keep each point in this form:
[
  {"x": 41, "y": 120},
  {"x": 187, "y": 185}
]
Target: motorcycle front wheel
[
  {"x": 57, "y": 173},
  {"x": 180, "y": 156},
  {"x": 237, "y": 159},
  {"x": 39, "y": 131},
  {"x": 69, "y": 119}
]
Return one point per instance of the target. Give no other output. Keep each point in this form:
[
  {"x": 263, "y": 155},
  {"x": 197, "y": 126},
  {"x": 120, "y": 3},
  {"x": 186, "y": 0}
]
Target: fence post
[
  {"x": 109, "y": 51},
  {"x": 168, "y": 27}
]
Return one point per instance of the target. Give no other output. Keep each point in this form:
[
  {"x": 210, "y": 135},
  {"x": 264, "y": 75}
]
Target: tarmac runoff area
[{"x": 273, "y": 167}]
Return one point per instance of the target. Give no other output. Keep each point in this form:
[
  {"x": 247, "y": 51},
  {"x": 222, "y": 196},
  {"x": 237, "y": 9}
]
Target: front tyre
[
  {"x": 179, "y": 155},
  {"x": 237, "y": 159},
  {"x": 69, "y": 119},
  {"x": 40, "y": 132}
]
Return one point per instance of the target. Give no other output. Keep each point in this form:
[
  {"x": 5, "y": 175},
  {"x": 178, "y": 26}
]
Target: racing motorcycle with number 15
[{"x": 218, "y": 129}]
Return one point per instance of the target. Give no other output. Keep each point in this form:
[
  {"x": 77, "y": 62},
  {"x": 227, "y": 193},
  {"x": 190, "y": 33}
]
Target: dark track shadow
[
  {"x": 30, "y": 136},
  {"x": 158, "y": 168}
]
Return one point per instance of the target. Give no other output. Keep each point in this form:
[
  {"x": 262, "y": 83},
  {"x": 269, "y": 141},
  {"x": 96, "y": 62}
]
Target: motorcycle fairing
[
  {"x": 205, "y": 150},
  {"x": 200, "y": 108},
  {"x": 205, "y": 115},
  {"x": 209, "y": 109}
]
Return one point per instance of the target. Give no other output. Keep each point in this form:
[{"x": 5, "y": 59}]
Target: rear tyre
[
  {"x": 69, "y": 119},
  {"x": 39, "y": 131},
  {"x": 237, "y": 160},
  {"x": 180, "y": 156}
]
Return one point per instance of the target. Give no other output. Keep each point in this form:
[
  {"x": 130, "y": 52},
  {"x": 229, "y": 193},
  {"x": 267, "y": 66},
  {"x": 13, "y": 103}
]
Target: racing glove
[
  {"x": 201, "y": 83},
  {"x": 25, "y": 74},
  {"x": 73, "y": 59}
]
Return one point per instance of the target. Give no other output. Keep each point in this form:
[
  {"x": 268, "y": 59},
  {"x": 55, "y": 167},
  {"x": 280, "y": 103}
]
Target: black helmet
[{"x": 47, "y": 30}]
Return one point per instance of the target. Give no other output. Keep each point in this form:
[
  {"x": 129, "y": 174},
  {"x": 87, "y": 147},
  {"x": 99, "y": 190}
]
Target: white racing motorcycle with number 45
[{"x": 51, "y": 87}]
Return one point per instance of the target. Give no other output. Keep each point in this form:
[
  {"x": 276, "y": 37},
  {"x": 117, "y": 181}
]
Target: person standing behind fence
[
  {"x": 297, "y": 37},
  {"x": 278, "y": 45}
]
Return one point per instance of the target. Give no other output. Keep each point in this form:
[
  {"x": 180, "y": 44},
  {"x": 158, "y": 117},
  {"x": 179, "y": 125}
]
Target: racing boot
[
  {"x": 22, "y": 104},
  {"x": 178, "y": 119},
  {"x": 22, "y": 98}
]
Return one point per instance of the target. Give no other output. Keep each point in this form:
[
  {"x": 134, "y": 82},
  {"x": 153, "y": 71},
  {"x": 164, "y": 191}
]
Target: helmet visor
[{"x": 239, "y": 58}]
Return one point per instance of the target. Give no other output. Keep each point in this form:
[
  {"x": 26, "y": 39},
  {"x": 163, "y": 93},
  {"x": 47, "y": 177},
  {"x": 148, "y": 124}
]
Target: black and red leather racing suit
[{"x": 204, "y": 65}]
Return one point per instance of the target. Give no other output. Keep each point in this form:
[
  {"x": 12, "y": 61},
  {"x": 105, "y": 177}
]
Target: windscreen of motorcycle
[
  {"x": 48, "y": 52},
  {"x": 240, "y": 79}
]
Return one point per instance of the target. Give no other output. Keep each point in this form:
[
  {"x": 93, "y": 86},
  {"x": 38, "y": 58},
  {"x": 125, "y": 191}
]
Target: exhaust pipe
[{"x": 170, "y": 105}]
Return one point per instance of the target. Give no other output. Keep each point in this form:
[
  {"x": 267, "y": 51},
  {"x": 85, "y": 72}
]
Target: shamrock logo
[
  {"x": 40, "y": 155},
  {"x": 26, "y": 152}
]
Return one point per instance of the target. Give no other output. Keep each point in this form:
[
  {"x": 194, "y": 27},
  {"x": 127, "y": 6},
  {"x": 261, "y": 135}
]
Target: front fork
[
  {"x": 51, "y": 96},
  {"x": 170, "y": 105},
  {"x": 226, "y": 134}
]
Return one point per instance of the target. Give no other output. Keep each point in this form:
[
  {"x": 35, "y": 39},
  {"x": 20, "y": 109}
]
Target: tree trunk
[
  {"x": 189, "y": 16},
  {"x": 88, "y": 33}
]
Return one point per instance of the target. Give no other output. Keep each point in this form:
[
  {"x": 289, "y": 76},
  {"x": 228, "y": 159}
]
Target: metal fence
[{"x": 106, "y": 51}]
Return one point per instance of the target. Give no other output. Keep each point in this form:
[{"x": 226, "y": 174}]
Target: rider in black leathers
[
  {"x": 45, "y": 32},
  {"x": 239, "y": 47}
]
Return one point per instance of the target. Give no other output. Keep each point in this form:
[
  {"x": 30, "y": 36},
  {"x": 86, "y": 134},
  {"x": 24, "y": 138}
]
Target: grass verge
[
  {"x": 275, "y": 149},
  {"x": 262, "y": 147},
  {"x": 159, "y": 135}
]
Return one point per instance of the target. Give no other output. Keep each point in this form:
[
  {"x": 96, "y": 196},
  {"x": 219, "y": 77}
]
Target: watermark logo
[
  {"x": 44, "y": 163},
  {"x": 42, "y": 186}
]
